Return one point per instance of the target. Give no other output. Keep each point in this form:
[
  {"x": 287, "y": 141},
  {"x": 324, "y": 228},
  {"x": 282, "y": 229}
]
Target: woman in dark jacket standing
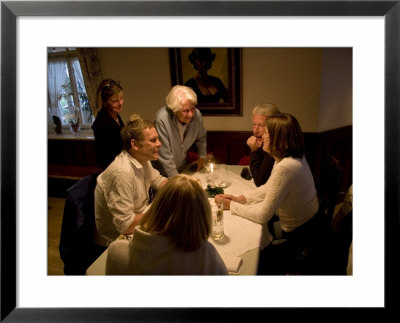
[{"x": 108, "y": 123}]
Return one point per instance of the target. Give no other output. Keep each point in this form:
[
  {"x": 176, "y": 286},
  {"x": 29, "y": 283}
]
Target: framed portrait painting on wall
[{"x": 214, "y": 74}]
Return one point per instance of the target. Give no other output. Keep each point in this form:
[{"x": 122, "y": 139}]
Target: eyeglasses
[
  {"x": 110, "y": 84},
  {"x": 258, "y": 126}
]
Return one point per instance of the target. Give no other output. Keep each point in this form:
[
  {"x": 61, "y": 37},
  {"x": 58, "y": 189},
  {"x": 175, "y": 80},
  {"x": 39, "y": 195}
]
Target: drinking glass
[
  {"x": 217, "y": 215},
  {"x": 223, "y": 176}
]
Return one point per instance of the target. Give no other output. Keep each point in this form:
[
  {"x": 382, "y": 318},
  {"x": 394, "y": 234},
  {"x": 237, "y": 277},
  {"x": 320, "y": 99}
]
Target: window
[{"x": 67, "y": 96}]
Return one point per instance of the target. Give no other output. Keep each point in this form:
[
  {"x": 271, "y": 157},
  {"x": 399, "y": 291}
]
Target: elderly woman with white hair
[{"x": 179, "y": 124}]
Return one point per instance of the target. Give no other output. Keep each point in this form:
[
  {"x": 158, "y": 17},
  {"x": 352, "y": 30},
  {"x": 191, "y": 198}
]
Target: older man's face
[
  {"x": 259, "y": 122},
  {"x": 186, "y": 114}
]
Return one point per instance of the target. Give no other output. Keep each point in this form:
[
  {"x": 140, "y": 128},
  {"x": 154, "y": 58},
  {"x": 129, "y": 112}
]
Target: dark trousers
[{"x": 306, "y": 251}]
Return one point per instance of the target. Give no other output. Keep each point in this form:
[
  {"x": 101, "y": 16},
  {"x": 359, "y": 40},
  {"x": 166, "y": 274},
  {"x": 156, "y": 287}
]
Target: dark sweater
[
  {"x": 261, "y": 164},
  {"x": 107, "y": 138}
]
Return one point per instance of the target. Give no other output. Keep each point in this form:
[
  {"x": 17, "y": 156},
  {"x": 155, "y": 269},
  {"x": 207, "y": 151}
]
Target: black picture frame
[
  {"x": 228, "y": 69},
  {"x": 10, "y": 10}
]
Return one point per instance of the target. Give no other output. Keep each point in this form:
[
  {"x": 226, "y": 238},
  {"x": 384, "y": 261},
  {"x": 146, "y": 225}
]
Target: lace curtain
[
  {"x": 56, "y": 75},
  {"x": 86, "y": 110},
  {"x": 91, "y": 73},
  {"x": 78, "y": 74}
]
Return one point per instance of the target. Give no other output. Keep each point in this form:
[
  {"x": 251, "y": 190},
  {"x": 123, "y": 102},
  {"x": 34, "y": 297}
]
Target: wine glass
[{"x": 223, "y": 176}]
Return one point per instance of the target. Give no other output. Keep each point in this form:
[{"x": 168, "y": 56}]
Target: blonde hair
[
  {"x": 107, "y": 88},
  {"x": 178, "y": 95},
  {"x": 181, "y": 211},
  {"x": 266, "y": 109},
  {"x": 134, "y": 117},
  {"x": 134, "y": 130}
]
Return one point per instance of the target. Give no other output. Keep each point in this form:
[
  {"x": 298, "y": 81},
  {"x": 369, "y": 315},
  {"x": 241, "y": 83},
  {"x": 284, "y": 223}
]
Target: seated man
[
  {"x": 261, "y": 162},
  {"x": 179, "y": 125},
  {"x": 122, "y": 191}
]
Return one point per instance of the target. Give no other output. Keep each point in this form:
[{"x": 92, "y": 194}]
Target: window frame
[{"x": 68, "y": 54}]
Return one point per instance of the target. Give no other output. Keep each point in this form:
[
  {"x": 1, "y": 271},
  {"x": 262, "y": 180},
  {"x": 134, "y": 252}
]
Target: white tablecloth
[{"x": 242, "y": 237}]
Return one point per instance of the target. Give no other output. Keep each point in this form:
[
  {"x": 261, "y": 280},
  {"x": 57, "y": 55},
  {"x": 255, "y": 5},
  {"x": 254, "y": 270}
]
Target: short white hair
[
  {"x": 266, "y": 109},
  {"x": 178, "y": 95}
]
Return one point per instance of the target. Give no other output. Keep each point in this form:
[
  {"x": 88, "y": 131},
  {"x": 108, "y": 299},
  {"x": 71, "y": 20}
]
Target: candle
[{"x": 212, "y": 174}]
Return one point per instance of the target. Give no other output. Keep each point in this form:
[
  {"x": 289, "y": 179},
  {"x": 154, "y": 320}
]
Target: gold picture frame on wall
[{"x": 214, "y": 74}]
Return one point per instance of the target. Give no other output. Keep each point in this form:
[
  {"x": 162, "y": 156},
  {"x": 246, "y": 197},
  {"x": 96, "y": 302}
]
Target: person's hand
[
  {"x": 225, "y": 196},
  {"x": 254, "y": 143},
  {"x": 225, "y": 202},
  {"x": 198, "y": 163},
  {"x": 240, "y": 199}
]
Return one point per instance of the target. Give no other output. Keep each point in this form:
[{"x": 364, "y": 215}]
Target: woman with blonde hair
[
  {"x": 108, "y": 123},
  {"x": 171, "y": 238}
]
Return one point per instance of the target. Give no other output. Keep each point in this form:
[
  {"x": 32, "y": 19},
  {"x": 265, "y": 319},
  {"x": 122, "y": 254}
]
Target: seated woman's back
[
  {"x": 171, "y": 238},
  {"x": 146, "y": 254}
]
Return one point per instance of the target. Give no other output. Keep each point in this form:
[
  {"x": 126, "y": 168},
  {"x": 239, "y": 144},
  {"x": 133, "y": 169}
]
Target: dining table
[{"x": 240, "y": 246}]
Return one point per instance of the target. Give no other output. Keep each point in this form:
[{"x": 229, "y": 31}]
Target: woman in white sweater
[
  {"x": 290, "y": 193},
  {"x": 171, "y": 238}
]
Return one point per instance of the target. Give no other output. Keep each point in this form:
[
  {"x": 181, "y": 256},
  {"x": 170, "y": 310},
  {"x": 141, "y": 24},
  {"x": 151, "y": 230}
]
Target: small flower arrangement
[
  {"x": 74, "y": 122},
  {"x": 72, "y": 119}
]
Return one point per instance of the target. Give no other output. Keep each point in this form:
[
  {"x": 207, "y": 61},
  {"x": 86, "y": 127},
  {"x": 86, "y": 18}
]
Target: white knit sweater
[
  {"x": 149, "y": 254},
  {"x": 290, "y": 190}
]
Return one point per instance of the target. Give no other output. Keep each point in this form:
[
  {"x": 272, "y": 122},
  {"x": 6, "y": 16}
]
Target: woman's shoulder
[
  {"x": 118, "y": 248},
  {"x": 208, "y": 248},
  {"x": 162, "y": 114},
  {"x": 215, "y": 80},
  {"x": 163, "y": 111},
  {"x": 102, "y": 119},
  {"x": 291, "y": 162},
  {"x": 118, "y": 257},
  {"x": 292, "y": 165},
  {"x": 214, "y": 258},
  {"x": 198, "y": 115}
]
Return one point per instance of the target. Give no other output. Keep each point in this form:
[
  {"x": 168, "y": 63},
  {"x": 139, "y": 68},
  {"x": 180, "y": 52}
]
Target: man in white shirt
[{"x": 122, "y": 191}]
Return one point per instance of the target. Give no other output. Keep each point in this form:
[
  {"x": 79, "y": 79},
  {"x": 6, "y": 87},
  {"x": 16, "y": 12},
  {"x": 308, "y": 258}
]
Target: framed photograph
[
  {"x": 14, "y": 177},
  {"x": 214, "y": 74}
]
